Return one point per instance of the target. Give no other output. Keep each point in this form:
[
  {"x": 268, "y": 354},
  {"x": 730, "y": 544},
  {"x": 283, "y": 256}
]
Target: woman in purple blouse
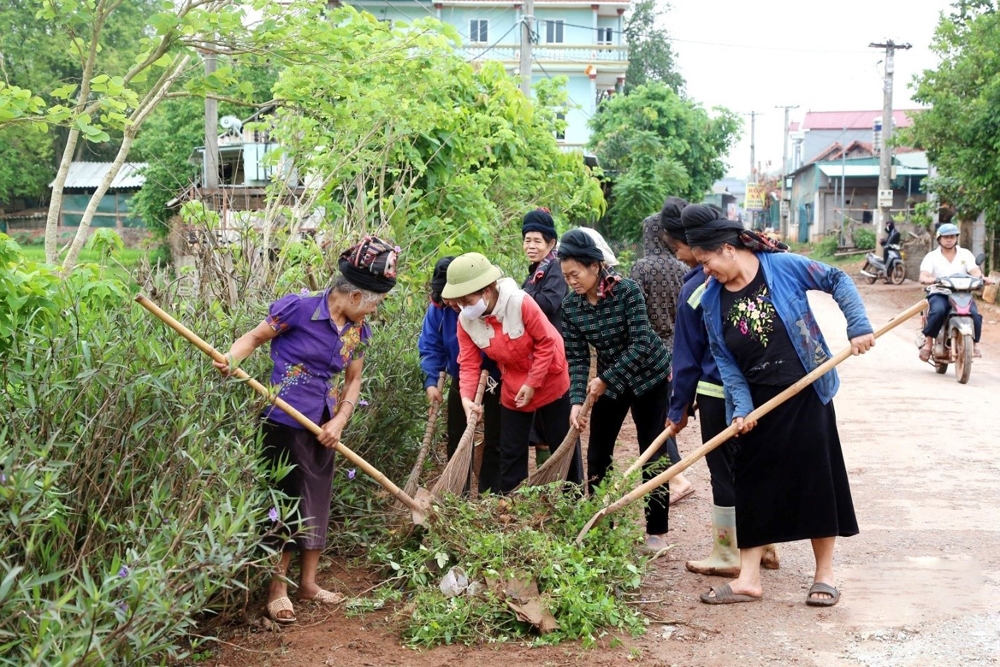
[{"x": 317, "y": 346}]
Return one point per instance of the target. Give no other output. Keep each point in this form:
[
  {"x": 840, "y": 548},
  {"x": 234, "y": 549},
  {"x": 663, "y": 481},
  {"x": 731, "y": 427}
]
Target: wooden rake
[
  {"x": 419, "y": 505},
  {"x": 432, "y": 414},
  {"x": 456, "y": 474},
  {"x": 730, "y": 431}
]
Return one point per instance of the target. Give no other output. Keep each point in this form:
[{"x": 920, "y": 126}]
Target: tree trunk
[
  {"x": 55, "y": 203},
  {"x": 153, "y": 98}
]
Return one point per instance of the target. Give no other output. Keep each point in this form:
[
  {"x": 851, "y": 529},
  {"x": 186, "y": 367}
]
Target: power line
[{"x": 493, "y": 45}]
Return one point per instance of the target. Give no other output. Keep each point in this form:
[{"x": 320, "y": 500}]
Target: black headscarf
[
  {"x": 440, "y": 278},
  {"x": 706, "y": 228},
  {"x": 670, "y": 218},
  {"x": 370, "y": 265},
  {"x": 539, "y": 220},
  {"x": 577, "y": 244}
]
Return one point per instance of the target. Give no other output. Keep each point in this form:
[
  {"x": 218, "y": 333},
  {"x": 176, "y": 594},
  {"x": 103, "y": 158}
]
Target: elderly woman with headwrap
[
  {"x": 317, "y": 343},
  {"x": 438, "y": 348},
  {"x": 791, "y": 480},
  {"x": 545, "y": 285},
  {"x": 504, "y": 323},
  {"x": 633, "y": 366}
]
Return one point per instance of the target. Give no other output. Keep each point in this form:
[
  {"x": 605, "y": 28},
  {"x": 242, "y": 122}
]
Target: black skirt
[
  {"x": 791, "y": 481},
  {"x": 310, "y": 482}
]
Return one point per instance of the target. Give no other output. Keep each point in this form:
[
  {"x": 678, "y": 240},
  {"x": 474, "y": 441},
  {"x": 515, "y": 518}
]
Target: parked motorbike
[
  {"x": 954, "y": 343},
  {"x": 893, "y": 270}
]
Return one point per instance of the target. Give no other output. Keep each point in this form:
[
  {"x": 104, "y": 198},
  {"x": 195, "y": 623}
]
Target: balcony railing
[{"x": 571, "y": 53}]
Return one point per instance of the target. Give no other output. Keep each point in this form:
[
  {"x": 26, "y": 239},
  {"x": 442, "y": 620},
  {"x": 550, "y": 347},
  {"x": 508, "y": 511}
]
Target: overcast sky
[{"x": 752, "y": 56}]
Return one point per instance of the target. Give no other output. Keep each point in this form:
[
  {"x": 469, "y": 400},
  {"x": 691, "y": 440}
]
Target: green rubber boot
[{"x": 542, "y": 454}]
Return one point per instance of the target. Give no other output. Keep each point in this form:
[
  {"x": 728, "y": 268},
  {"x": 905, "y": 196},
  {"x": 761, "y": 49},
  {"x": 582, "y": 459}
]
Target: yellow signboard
[{"x": 755, "y": 197}]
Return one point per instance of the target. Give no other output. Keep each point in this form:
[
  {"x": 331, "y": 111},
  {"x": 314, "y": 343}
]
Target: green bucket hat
[{"x": 469, "y": 273}]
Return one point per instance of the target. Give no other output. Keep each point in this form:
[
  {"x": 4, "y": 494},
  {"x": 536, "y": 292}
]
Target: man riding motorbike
[
  {"x": 891, "y": 238},
  {"x": 948, "y": 259}
]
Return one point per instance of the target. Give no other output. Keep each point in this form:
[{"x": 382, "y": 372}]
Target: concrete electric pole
[
  {"x": 211, "y": 131},
  {"x": 785, "y": 194},
  {"x": 753, "y": 160},
  {"x": 527, "y": 39},
  {"x": 885, "y": 159}
]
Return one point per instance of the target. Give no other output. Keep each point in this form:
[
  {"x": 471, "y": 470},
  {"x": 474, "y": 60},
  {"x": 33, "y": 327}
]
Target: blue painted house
[{"x": 580, "y": 40}]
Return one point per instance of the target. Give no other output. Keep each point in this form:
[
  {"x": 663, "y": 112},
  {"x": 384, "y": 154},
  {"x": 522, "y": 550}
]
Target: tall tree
[
  {"x": 656, "y": 143},
  {"x": 961, "y": 129},
  {"x": 650, "y": 56}
]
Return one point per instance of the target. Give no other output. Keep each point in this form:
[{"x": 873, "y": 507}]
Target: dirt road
[{"x": 920, "y": 584}]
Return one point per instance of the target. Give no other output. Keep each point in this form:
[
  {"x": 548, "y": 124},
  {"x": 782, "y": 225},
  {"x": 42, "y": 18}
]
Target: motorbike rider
[
  {"x": 891, "y": 238},
  {"x": 948, "y": 259}
]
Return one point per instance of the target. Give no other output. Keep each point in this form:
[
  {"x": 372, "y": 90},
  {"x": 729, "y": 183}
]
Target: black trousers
[
  {"x": 491, "y": 424},
  {"x": 937, "y": 312},
  {"x": 649, "y": 412},
  {"x": 712, "y": 413},
  {"x": 511, "y": 466}
]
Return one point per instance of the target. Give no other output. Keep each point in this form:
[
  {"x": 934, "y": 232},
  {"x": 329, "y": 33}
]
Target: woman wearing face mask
[
  {"x": 317, "y": 344},
  {"x": 438, "y": 346},
  {"x": 545, "y": 285},
  {"x": 633, "y": 366},
  {"x": 506, "y": 324}
]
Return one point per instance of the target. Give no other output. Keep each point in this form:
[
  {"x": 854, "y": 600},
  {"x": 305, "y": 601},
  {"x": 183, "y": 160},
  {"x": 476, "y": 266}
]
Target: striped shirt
[{"x": 631, "y": 358}]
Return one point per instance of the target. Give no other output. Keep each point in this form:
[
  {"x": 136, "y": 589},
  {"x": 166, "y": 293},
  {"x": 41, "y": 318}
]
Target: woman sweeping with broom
[
  {"x": 791, "y": 481},
  {"x": 633, "y": 365},
  {"x": 317, "y": 345},
  {"x": 506, "y": 324}
]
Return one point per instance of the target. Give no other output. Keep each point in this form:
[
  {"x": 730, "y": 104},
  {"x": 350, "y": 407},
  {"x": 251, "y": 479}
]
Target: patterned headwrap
[{"x": 371, "y": 264}]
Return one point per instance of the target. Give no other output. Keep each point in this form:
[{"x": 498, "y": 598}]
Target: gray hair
[{"x": 345, "y": 286}]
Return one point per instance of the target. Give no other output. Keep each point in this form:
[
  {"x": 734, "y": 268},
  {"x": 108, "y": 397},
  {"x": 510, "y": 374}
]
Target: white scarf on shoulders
[{"x": 507, "y": 311}]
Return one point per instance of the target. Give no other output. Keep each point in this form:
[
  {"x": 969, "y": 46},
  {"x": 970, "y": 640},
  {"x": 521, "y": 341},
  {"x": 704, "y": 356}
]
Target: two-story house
[{"x": 580, "y": 40}]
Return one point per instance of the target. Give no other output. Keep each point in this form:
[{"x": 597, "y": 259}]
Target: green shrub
[
  {"x": 825, "y": 248},
  {"x": 864, "y": 239}
]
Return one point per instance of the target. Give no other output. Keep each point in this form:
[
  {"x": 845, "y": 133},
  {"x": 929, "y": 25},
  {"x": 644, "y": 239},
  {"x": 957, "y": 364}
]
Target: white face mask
[{"x": 475, "y": 311}]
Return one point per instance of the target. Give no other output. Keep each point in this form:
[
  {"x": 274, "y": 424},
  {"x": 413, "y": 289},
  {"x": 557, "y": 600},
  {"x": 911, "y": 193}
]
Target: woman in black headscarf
[
  {"x": 790, "y": 477},
  {"x": 633, "y": 366},
  {"x": 546, "y": 286}
]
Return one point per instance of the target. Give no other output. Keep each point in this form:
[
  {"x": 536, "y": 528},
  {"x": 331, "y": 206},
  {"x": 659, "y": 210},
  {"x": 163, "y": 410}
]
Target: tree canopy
[
  {"x": 651, "y": 58},
  {"x": 657, "y": 144},
  {"x": 961, "y": 129}
]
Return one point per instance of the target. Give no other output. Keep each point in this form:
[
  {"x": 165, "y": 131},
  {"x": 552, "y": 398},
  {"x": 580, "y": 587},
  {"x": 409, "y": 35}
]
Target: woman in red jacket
[{"x": 507, "y": 325}]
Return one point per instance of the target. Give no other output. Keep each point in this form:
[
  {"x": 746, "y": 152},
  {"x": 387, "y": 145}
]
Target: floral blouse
[
  {"x": 309, "y": 355},
  {"x": 757, "y": 337}
]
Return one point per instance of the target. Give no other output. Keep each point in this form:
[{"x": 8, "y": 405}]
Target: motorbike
[
  {"x": 954, "y": 343},
  {"x": 893, "y": 270}
]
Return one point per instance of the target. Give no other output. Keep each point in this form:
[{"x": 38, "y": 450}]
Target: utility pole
[
  {"x": 785, "y": 195},
  {"x": 211, "y": 131},
  {"x": 885, "y": 159},
  {"x": 527, "y": 39},
  {"x": 753, "y": 157}
]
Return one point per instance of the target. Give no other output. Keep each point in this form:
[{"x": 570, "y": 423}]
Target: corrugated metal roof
[
  {"x": 88, "y": 175},
  {"x": 852, "y": 120}
]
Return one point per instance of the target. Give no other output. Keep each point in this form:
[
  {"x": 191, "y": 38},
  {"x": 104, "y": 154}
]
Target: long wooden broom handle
[
  {"x": 425, "y": 445},
  {"x": 730, "y": 431},
  {"x": 652, "y": 449},
  {"x": 195, "y": 340}
]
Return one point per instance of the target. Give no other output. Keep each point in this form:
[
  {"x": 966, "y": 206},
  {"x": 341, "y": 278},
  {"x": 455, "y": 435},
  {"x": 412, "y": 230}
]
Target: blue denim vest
[{"x": 789, "y": 277}]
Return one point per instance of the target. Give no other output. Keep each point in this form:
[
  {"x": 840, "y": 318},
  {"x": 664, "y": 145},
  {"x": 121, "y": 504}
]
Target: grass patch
[{"x": 127, "y": 257}]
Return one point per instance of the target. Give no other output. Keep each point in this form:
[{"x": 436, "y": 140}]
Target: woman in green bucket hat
[{"x": 503, "y": 322}]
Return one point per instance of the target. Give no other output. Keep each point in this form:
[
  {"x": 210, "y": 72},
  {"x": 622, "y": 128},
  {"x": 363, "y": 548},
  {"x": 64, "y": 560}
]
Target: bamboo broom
[
  {"x": 456, "y": 473},
  {"x": 730, "y": 431},
  {"x": 557, "y": 467},
  {"x": 432, "y": 414},
  {"x": 419, "y": 505}
]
